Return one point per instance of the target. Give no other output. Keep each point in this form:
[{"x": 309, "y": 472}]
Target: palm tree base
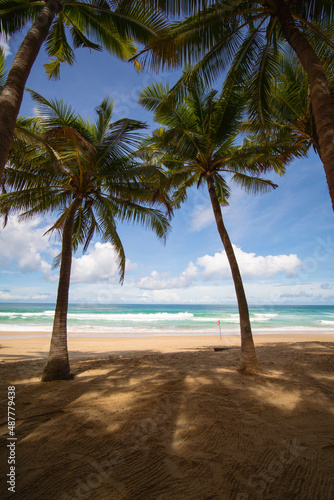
[
  {"x": 249, "y": 370},
  {"x": 56, "y": 369}
]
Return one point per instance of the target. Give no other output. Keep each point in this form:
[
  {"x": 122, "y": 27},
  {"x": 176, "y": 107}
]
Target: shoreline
[
  {"x": 22, "y": 334},
  {"x": 14, "y": 349}
]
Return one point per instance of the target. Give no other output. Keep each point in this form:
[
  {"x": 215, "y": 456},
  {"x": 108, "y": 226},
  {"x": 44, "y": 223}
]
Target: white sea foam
[
  {"x": 8, "y": 327},
  {"x": 26, "y": 315},
  {"x": 231, "y": 318},
  {"x": 235, "y": 318},
  {"x": 263, "y": 316},
  {"x": 137, "y": 317},
  {"x": 156, "y": 321}
]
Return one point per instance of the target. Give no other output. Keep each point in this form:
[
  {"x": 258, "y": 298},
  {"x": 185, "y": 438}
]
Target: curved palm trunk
[
  {"x": 12, "y": 92},
  {"x": 322, "y": 104},
  {"x": 249, "y": 362},
  {"x": 57, "y": 366}
]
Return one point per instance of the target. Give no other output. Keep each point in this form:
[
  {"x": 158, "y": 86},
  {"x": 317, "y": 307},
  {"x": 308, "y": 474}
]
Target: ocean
[{"x": 115, "y": 320}]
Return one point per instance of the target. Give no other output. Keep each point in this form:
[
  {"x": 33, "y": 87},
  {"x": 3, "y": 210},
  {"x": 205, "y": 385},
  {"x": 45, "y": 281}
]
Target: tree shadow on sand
[{"x": 179, "y": 426}]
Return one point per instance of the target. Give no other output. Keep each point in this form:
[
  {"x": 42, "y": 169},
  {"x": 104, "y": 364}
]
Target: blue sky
[{"x": 284, "y": 240}]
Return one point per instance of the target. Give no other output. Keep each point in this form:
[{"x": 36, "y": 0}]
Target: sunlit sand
[{"x": 170, "y": 418}]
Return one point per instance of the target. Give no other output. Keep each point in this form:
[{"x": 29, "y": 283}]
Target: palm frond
[
  {"x": 253, "y": 185},
  {"x": 222, "y": 190},
  {"x": 53, "y": 112},
  {"x": 15, "y": 15},
  {"x": 58, "y": 47},
  {"x": 58, "y": 159},
  {"x": 3, "y": 73},
  {"x": 104, "y": 114},
  {"x": 199, "y": 140},
  {"x": 152, "y": 95}
]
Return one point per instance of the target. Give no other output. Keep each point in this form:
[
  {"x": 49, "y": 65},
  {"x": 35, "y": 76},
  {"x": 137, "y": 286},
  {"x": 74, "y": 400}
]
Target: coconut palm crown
[
  {"x": 291, "y": 112},
  {"x": 65, "y": 25},
  {"x": 198, "y": 145},
  {"x": 87, "y": 174},
  {"x": 244, "y": 38}
]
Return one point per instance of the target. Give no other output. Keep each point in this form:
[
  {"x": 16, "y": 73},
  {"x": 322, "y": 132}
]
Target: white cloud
[
  {"x": 202, "y": 216},
  {"x": 24, "y": 242},
  {"x": 31, "y": 261},
  {"x": 189, "y": 275},
  {"x": 292, "y": 292},
  {"x": 100, "y": 264},
  {"x": 217, "y": 267},
  {"x": 46, "y": 269},
  {"x": 297, "y": 295},
  {"x": 155, "y": 280},
  {"x": 326, "y": 286},
  {"x": 4, "y": 44},
  {"x": 160, "y": 297},
  {"x": 9, "y": 295},
  {"x": 251, "y": 265},
  {"x": 160, "y": 281}
]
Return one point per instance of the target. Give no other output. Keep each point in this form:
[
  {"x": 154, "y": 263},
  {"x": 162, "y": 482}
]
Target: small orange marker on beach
[{"x": 220, "y": 331}]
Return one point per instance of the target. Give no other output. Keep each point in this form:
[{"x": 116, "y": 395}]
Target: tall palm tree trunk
[
  {"x": 249, "y": 363},
  {"x": 322, "y": 104},
  {"x": 12, "y": 93},
  {"x": 57, "y": 366}
]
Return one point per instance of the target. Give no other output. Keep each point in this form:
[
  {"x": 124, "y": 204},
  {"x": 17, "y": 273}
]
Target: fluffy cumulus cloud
[
  {"x": 217, "y": 267},
  {"x": 251, "y": 265},
  {"x": 24, "y": 243},
  {"x": 99, "y": 265},
  {"x": 24, "y": 247},
  {"x": 161, "y": 281}
]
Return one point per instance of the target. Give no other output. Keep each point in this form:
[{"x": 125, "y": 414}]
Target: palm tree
[
  {"x": 95, "y": 24},
  {"x": 291, "y": 112},
  {"x": 88, "y": 174},
  {"x": 197, "y": 145},
  {"x": 247, "y": 36}
]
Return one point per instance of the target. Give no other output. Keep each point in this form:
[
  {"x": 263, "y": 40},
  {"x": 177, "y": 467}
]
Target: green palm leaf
[
  {"x": 3, "y": 74},
  {"x": 246, "y": 39},
  {"x": 95, "y": 24},
  {"x": 58, "y": 156},
  {"x": 198, "y": 146},
  {"x": 89, "y": 176}
]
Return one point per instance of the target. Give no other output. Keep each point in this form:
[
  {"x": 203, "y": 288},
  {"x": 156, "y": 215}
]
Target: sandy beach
[{"x": 171, "y": 418}]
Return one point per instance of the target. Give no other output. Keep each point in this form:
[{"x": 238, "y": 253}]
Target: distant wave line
[
  {"x": 138, "y": 317},
  {"x": 142, "y": 317}
]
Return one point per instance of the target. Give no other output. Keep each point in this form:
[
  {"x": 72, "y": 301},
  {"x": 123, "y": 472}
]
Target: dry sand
[{"x": 170, "y": 418}]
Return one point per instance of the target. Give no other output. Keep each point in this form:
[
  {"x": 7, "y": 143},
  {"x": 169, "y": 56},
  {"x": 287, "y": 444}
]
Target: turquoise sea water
[{"x": 156, "y": 320}]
